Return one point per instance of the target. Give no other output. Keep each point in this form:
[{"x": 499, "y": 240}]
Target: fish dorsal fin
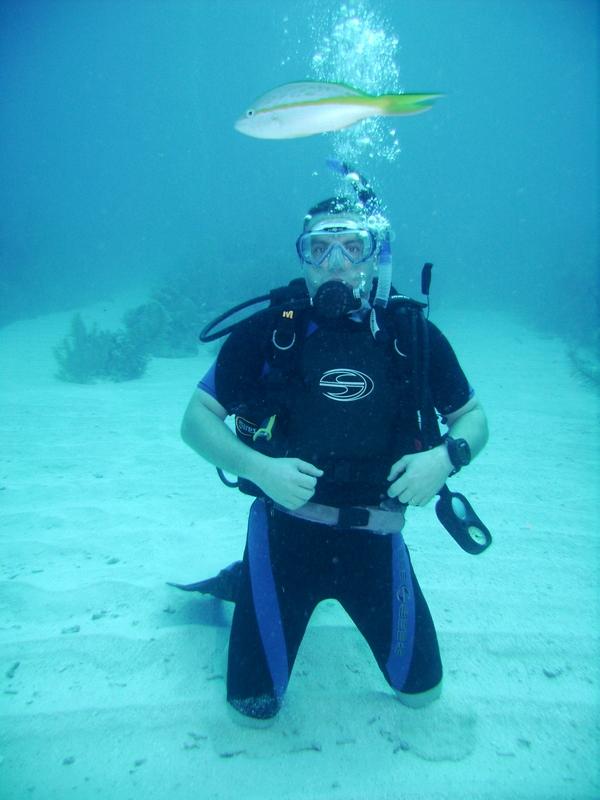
[{"x": 304, "y": 92}]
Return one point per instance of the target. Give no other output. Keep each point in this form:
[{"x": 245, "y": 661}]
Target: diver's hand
[
  {"x": 418, "y": 477},
  {"x": 290, "y": 482}
]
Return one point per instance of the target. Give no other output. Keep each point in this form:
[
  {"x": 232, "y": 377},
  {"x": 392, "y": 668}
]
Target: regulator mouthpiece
[{"x": 334, "y": 299}]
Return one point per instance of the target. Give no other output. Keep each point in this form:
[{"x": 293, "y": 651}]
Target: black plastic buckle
[{"x": 353, "y": 518}]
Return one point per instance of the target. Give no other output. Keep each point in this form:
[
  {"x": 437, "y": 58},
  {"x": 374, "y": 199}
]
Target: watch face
[
  {"x": 463, "y": 452},
  {"x": 459, "y": 452}
]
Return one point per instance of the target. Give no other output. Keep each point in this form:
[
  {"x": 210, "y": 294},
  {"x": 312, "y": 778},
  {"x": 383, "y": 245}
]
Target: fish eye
[{"x": 250, "y": 112}]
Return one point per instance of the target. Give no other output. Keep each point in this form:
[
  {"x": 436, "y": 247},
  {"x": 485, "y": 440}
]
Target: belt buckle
[{"x": 352, "y": 517}]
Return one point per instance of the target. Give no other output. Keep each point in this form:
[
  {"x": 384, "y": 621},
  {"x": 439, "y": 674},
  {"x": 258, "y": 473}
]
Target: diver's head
[{"x": 339, "y": 244}]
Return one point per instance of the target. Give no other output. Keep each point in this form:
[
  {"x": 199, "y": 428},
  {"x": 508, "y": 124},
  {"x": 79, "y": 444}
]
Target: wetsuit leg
[
  {"x": 382, "y": 595},
  {"x": 270, "y": 618}
]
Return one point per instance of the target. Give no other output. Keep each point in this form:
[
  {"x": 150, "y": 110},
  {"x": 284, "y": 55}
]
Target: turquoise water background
[
  {"x": 119, "y": 169},
  {"x": 120, "y": 163}
]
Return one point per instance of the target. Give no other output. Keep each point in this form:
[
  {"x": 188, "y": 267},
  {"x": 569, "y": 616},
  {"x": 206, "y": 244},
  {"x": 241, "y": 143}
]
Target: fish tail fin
[{"x": 394, "y": 105}]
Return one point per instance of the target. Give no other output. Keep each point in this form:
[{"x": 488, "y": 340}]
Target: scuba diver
[{"x": 336, "y": 389}]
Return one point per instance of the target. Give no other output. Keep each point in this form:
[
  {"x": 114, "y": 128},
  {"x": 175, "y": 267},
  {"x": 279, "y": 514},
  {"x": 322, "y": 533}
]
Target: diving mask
[{"x": 336, "y": 242}]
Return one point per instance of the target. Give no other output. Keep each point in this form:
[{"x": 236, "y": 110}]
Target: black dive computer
[{"x": 459, "y": 453}]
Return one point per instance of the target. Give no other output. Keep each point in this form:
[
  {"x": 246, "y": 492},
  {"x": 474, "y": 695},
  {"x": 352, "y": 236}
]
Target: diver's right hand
[{"x": 290, "y": 482}]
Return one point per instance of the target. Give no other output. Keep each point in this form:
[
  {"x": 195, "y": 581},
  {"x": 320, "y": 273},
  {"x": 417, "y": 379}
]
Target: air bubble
[{"x": 356, "y": 47}]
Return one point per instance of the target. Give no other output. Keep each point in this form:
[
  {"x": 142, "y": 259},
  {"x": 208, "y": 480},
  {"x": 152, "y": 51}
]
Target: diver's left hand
[{"x": 418, "y": 477}]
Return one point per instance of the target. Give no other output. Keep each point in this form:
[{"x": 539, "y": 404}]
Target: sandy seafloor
[{"x": 113, "y": 682}]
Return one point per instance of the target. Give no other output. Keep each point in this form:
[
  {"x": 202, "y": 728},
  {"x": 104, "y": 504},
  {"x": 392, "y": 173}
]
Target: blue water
[
  {"x": 120, "y": 164},
  {"x": 119, "y": 169}
]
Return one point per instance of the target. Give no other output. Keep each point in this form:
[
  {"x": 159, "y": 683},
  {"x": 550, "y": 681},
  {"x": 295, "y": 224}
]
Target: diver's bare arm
[
  {"x": 204, "y": 430},
  {"x": 417, "y": 477},
  {"x": 470, "y": 423},
  {"x": 290, "y": 482}
]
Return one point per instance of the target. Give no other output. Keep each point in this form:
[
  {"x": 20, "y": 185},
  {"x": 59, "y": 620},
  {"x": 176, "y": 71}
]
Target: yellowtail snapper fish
[{"x": 305, "y": 108}]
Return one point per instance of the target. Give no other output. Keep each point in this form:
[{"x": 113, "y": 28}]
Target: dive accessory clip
[{"x": 462, "y": 523}]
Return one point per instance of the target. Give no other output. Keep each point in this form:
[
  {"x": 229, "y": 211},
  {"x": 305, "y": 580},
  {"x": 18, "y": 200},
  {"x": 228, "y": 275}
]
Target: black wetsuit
[{"x": 291, "y": 564}]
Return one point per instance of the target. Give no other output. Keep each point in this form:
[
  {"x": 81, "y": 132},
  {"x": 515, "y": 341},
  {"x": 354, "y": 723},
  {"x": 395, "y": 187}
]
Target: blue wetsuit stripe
[
  {"x": 207, "y": 383},
  {"x": 403, "y": 615},
  {"x": 264, "y": 594}
]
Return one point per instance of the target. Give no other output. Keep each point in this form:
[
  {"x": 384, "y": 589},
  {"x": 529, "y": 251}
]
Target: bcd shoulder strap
[{"x": 411, "y": 345}]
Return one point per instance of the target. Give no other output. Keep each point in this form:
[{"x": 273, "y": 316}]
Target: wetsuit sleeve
[
  {"x": 449, "y": 386},
  {"x": 207, "y": 383},
  {"x": 234, "y": 374}
]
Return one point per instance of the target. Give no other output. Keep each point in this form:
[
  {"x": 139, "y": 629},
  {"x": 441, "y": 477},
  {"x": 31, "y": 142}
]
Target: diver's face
[
  {"x": 336, "y": 268},
  {"x": 338, "y": 254}
]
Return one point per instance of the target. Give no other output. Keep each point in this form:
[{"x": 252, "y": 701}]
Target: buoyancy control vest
[
  {"x": 344, "y": 395},
  {"x": 283, "y": 413}
]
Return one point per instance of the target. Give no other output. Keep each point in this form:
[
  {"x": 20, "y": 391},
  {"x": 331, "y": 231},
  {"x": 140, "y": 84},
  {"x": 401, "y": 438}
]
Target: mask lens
[{"x": 354, "y": 246}]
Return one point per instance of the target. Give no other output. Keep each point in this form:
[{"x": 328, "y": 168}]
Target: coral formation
[
  {"x": 86, "y": 355},
  {"x": 586, "y": 361},
  {"x": 165, "y": 327}
]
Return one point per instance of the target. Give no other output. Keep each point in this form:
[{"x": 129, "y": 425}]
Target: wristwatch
[{"x": 459, "y": 453}]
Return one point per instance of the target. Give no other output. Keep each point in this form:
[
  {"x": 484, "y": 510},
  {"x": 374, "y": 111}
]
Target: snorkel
[{"x": 368, "y": 203}]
